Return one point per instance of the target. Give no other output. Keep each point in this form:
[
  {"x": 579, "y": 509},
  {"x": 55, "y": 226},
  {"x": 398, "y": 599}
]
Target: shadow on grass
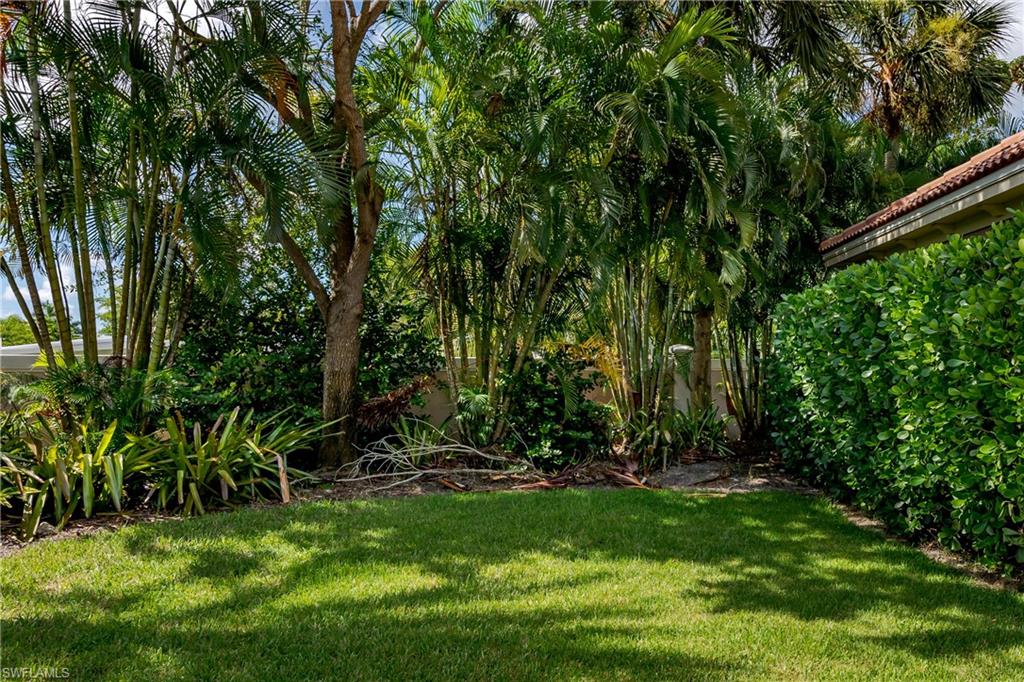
[{"x": 463, "y": 587}]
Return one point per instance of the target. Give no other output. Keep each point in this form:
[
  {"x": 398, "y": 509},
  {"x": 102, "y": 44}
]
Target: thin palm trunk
[
  {"x": 144, "y": 285},
  {"x": 123, "y": 321},
  {"x": 184, "y": 302},
  {"x": 37, "y": 317},
  {"x": 160, "y": 321},
  {"x": 142, "y": 342},
  {"x": 108, "y": 266},
  {"x": 700, "y": 367},
  {"x": 45, "y": 239},
  {"x": 87, "y": 306}
]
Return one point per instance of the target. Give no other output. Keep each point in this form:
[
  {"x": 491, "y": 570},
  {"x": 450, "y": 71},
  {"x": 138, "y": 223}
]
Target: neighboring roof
[
  {"x": 992, "y": 159},
  {"x": 22, "y": 358}
]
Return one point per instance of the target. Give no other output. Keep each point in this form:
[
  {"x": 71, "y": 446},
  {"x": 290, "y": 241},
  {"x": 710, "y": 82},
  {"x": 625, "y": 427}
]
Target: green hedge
[{"x": 899, "y": 384}]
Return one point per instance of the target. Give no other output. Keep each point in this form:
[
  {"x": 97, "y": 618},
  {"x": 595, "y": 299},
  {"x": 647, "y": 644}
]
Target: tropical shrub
[
  {"x": 900, "y": 384},
  {"x": 64, "y": 474},
  {"x": 237, "y": 460},
  {"x": 678, "y": 434},
  {"x": 702, "y": 431},
  {"x": 49, "y": 472},
  {"x": 263, "y": 349},
  {"x": 551, "y": 421},
  {"x": 103, "y": 393},
  {"x": 260, "y": 349}
]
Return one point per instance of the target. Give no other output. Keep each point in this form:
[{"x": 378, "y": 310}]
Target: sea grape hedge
[{"x": 899, "y": 384}]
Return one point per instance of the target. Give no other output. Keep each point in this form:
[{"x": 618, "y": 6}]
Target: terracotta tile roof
[{"x": 992, "y": 159}]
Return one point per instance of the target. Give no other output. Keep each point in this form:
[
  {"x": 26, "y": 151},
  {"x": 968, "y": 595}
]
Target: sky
[{"x": 9, "y": 306}]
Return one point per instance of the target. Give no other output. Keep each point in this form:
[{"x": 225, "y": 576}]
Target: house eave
[{"x": 968, "y": 209}]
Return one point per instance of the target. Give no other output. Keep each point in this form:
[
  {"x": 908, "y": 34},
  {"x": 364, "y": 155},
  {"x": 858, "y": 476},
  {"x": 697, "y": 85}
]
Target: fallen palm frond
[
  {"x": 419, "y": 449},
  {"x": 588, "y": 474},
  {"x": 376, "y": 413}
]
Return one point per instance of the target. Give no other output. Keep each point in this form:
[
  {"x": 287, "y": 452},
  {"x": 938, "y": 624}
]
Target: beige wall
[{"x": 437, "y": 407}]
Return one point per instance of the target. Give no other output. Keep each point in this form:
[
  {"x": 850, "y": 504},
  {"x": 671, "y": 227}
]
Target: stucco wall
[{"x": 438, "y": 404}]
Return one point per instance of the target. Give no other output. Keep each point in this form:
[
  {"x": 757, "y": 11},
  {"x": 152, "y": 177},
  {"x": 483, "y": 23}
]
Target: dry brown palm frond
[{"x": 376, "y": 413}]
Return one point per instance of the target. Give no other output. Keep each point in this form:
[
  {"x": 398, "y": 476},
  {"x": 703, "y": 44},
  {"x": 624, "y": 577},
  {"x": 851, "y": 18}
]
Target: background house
[{"x": 965, "y": 200}]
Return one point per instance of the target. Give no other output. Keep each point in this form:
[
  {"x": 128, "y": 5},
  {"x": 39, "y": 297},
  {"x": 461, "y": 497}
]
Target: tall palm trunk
[
  {"x": 38, "y": 317},
  {"x": 87, "y": 304},
  {"x": 160, "y": 321},
  {"x": 700, "y": 362},
  {"x": 144, "y": 278},
  {"x": 130, "y": 18},
  {"x": 892, "y": 155},
  {"x": 45, "y": 240},
  {"x": 127, "y": 271},
  {"x": 184, "y": 302},
  {"x": 108, "y": 266},
  {"x": 148, "y": 288}
]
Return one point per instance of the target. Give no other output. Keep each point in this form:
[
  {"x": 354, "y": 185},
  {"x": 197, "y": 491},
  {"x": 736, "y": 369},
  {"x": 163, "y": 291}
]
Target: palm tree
[
  {"x": 34, "y": 57},
  {"x": 929, "y": 66},
  {"x": 502, "y": 169},
  {"x": 12, "y": 213},
  {"x": 780, "y": 34},
  {"x": 87, "y": 307},
  {"x": 795, "y": 149},
  {"x": 128, "y": 171},
  {"x": 680, "y": 117}
]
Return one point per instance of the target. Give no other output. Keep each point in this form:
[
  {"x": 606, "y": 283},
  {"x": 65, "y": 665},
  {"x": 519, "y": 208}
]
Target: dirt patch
[
  {"x": 722, "y": 476},
  {"x": 934, "y": 551}
]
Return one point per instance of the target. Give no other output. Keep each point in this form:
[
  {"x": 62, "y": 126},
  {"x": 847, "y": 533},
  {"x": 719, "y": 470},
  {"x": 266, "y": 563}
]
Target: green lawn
[{"x": 569, "y": 584}]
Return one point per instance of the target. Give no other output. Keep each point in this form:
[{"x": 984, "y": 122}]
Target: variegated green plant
[
  {"x": 64, "y": 473},
  {"x": 237, "y": 460}
]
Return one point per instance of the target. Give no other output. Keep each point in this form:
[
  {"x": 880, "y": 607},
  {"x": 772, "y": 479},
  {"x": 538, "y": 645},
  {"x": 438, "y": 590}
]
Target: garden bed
[{"x": 710, "y": 475}]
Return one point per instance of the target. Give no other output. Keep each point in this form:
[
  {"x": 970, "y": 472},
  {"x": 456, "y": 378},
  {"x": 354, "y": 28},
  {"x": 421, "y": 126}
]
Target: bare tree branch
[{"x": 323, "y": 300}]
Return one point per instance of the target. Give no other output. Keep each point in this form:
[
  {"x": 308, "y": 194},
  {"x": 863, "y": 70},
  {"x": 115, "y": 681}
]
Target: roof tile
[{"x": 992, "y": 159}]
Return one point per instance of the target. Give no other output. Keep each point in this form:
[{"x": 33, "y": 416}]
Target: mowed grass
[{"x": 563, "y": 585}]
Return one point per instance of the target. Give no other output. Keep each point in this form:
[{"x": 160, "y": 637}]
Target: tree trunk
[
  {"x": 892, "y": 155},
  {"x": 146, "y": 283},
  {"x": 123, "y": 321},
  {"x": 700, "y": 362},
  {"x": 353, "y": 244},
  {"x": 341, "y": 373},
  {"x": 108, "y": 266},
  {"x": 156, "y": 349},
  {"x": 86, "y": 296},
  {"x": 45, "y": 242},
  {"x": 184, "y": 302}
]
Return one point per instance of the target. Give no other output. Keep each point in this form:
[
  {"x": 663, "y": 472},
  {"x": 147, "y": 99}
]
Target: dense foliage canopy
[{"x": 318, "y": 206}]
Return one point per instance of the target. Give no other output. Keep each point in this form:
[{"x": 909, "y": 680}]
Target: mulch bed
[{"x": 704, "y": 475}]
